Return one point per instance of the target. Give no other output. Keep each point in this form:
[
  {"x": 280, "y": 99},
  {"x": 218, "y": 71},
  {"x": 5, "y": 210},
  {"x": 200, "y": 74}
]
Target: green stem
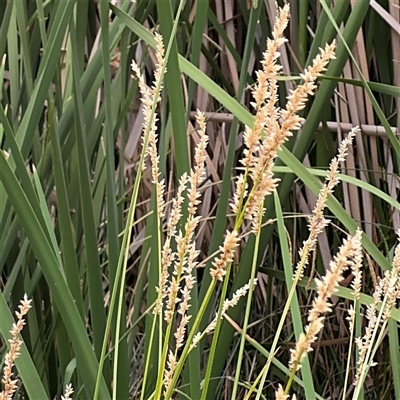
[
  {"x": 188, "y": 346},
  {"x": 285, "y": 311},
  {"x": 247, "y": 313}
]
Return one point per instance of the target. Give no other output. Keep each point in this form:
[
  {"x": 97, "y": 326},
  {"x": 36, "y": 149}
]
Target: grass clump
[{"x": 134, "y": 301}]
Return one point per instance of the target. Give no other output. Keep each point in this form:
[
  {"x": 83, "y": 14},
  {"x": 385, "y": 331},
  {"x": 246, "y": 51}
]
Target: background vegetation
[{"x": 71, "y": 123}]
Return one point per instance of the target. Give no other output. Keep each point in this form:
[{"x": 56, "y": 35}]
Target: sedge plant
[{"x": 176, "y": 330}]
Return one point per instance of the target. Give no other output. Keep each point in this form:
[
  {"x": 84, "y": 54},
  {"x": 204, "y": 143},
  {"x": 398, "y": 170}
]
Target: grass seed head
[{"x": 10, "y": 384}]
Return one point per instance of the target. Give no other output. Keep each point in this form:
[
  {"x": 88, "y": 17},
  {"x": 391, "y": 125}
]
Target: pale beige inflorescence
[
  {"x": 356, "y": 269},
  {"x": 326, "y": 287},
  {"x": 68, "y": 392},
  {"x": 365, "y": 342},
  {"x": 264, "y": 92},
  {"x": 271, "y": 129},
  {"x": 184, "y": 260},
  {"x": 280, "y": 394},
  {"x": 392, "y": 280},
  {"x": 272, "y": 126},
  {"x": 10, "y": 384},
  {"x": 349, "y": 255},
  {"x": 228, "y": 303},
  {"x": 168, "y": 255},
  {"x": 227, "y": 252},
  {"x": 187, "y": 249},
  {"x": 318, "y": 222},
  {"x": 149, "y": 96},
  {"x": 175, "y": 287}
]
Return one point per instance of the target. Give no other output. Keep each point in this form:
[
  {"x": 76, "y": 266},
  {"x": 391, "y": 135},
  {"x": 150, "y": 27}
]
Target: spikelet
[
  {"x": 317, "y": 221},
  {"x": 168, "y": 256},
  {"x": 325, "y": 289},
  {"x": 10, "y": 384},
  {"x": 264, "y": 139},
  {"x": 185, "y": 261},
  {"x": 264, "y": 94},
  {"x": 261, "y": 172},
  {"x": 68, "y": 392},
  {"x": 150, "y": 95},
  {"x": 169, "y": 371},
  {"x": 178, "y": 288},
  {"x": 280, "y": 394},
  {"x": 231, "y": 241},
  {"x": 385, "y": 296},
  {"x": 228, "y": 303}
]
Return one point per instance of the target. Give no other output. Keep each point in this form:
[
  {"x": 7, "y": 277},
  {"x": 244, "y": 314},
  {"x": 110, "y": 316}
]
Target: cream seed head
[
  {"x": 317, "y": 221},
  {"x": 198, "y": 173},
  {"x": 240, "y": 193},
  {"x": 321, "y": 305},
  {"x": 280, "y": 394},
  {"x": 259, "y": 159},
  {"x": 169, "y": 371},
  {"x": 264, "y": 90},
  {"x": 392, "y": 284},
  {"x": 149, "y": 96},
  {"x": 10, "y": 384},
  {"x": 271, "y": 129},
  {"x": 228, "y": 303},
  {"x": 228, "y": 249},
  {"x": 385, "y": 295},
  {"x": 68, "y": 392},
  {"x": 356, "y": 267}
]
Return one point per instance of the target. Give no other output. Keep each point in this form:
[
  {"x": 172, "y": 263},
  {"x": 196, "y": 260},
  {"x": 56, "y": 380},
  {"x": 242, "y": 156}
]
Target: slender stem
[
  {"x": 247, "y": 313},
  {"x": 216, "y": 334},
  {"x": 146, "y": 368},
  {"x": 346, "y": 379},
  {"x": 285, "y": 311},
  {"x": 188, "y": 346}
]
